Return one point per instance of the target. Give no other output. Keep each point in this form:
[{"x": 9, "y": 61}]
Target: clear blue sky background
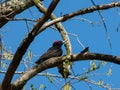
[{"x": 90, "y": 35}]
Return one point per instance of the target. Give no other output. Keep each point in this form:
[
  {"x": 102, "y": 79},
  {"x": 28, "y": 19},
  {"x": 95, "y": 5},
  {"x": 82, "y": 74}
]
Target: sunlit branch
[
  {"x": 80, "y": 12},
  {"x": 24, "y": 45},
  {"x": 53, "y": 62}
]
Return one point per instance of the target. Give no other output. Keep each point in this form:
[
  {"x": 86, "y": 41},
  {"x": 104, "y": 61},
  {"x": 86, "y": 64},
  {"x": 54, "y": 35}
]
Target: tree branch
[
  {"x": 53, "y": 62},
  {"x": 26, "y": 42},
  {"x": 80, "y": 12},
  {"x": 71, "y": 15},
  {"x": 63, "y": 34},
  {"x": 60, "y": 28},
  {"x": 24, "y": 45},
  {"x": 10, "y": 8}
]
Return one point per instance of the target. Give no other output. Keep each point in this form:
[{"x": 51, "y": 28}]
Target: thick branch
[
  {"x": 10, "y": 8},
  {"x": 60, "y": 28},
  {"x": 96, "y": 56},
  {"x": 63, "y": 34},
  {"x": 53, "y": 62},
  {"x": 71, "y": 15},
  {"x": 80, "y": 12},
  {"x": 91, "y": 9},
  {"x": 24, "y": 45}
]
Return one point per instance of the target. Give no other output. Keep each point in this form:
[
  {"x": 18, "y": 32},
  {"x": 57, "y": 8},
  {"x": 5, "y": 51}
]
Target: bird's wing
[{"x": 51, "y": 52}]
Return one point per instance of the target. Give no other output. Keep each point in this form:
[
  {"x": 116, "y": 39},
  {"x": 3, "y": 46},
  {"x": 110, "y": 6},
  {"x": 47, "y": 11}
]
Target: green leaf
[
  {"x": 66, "y": 67},
  {"x": 30, "y": 55},
  {"x": 91, "y": 62},
  {"x": 67, "y": 86},
  {"x": 93, "y": 67},
  {"x": 109, "y": 72},
  {"x": 100, "y": 83},
  {"x": 98, "y": 67},
  {"x": 83, "y": 78},
  {"x": 7, "y": 55},
  {"x": 50, "y": 79},
  {"x": 5, "y": 65},
  {"x": 104, "y": 63},
  {"x": 42, "y": 86}
]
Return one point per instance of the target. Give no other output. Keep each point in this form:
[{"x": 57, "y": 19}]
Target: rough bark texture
[
  {"x": 53, "y": 62},
  {"x": 24, "y": 45},
  {"x": 10, "y": 8}
]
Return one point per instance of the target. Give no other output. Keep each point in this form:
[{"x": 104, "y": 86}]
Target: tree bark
[
  {"x": 53, "y": 62},
  {"x": 24, "y": 45},
  {"x": 10, "y": 8}
]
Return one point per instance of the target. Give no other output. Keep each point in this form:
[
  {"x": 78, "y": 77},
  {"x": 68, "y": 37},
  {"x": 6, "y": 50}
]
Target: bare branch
[
  {"x": 21, "y": 19},
  {"x": 80, "y": 12},
  {"x": 26, "y": 42},
  {"x": 24, "y": 4},
  {"x": 85, "y": 20},
  {"x": 104, "y": 24},
  {"x": 71, "y": 15},
  {"x": 63, "y": 33},
  {"x": 77, "y": 38},
  {"x": 12, "y": 7},
  {"x": 24, "y": 45},
  {"x": 60, "y": 28},
  {"x": 53, "y": 62}
]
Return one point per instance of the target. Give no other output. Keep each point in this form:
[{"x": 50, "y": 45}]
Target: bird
[{"x": 54, "y": 51}]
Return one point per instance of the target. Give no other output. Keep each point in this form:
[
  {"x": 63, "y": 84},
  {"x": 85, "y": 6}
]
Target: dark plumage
[{"x": 54, "y": 51}]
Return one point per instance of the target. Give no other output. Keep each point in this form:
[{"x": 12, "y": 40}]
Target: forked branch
[
  {"x": 53, "y": 62},
  {"x": 24, "y": 45}
]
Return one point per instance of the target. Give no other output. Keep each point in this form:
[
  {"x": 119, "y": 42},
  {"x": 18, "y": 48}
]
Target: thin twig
[
  {"x": 21, "y": 19},
  {"x": 85, "y": 20},
  {"x": 75, "y": 35},
  {"x": 79, "y": 12},
  {"x": 104, "y": 24}
]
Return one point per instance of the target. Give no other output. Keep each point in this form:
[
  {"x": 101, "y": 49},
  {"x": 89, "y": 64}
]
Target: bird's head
[{"x": 58, "y": 43}]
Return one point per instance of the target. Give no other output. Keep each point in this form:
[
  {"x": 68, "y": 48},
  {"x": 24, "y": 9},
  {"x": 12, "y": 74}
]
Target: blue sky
[{"x": 90, "y": 35}]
